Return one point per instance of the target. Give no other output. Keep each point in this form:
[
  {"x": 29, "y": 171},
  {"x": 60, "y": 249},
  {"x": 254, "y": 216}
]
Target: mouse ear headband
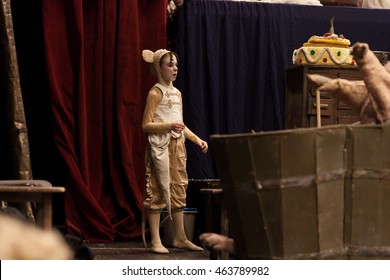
[{"x": 154, "y": 58}]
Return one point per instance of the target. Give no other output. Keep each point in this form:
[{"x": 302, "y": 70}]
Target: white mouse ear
[{"x": 147, "y": 55}]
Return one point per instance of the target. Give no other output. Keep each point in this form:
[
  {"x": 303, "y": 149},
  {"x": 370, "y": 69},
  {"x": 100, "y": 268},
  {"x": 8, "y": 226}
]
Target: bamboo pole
[
  {"x": 318, "y": 107},
  {"x": 16, "y": 122}
]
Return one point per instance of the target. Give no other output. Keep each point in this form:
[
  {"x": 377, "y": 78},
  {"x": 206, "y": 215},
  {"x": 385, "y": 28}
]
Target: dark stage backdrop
[
  {"x": 233, "y": 58},
  {"x": 96, "y": 88}
]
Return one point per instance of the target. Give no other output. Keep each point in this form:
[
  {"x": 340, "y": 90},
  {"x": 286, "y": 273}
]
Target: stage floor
[{"x": 134, "y": 250}]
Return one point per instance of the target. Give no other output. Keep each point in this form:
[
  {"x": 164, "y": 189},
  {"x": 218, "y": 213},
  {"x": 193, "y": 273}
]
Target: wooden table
[{"x": 41, "y": 195}]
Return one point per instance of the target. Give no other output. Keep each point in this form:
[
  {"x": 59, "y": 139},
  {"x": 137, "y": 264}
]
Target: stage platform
[{"x": 134, "y": 250}]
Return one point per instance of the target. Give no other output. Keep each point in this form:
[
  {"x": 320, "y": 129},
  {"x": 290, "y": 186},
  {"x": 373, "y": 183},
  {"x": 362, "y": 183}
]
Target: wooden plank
[
  {"x": 22, "y": 189},
  {"x": 42, "y": 196}
]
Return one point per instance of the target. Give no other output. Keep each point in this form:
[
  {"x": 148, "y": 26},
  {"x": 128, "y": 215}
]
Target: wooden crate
[
  {"x": 368, "y": 192},
  {"x": 285, "y": 192}
]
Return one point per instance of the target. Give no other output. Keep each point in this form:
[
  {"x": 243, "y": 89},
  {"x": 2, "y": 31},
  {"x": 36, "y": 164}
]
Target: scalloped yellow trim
[{"x": 322, "y": 53}]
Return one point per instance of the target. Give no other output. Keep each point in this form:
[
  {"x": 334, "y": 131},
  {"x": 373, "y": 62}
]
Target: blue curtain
[{"x": 233, "y": 57}]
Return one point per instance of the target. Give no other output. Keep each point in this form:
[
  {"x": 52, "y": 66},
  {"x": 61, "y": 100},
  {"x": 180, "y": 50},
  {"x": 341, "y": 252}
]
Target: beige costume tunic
[{"x": 166, "y": 154}]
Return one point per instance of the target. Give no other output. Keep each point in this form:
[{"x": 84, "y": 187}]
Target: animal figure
[{"x": 370, "y": 97}]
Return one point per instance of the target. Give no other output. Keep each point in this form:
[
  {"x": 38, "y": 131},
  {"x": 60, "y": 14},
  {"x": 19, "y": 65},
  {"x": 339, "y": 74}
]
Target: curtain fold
[
  {"x": 98, "y": 85},
  {"x": 233, "y": 58}
]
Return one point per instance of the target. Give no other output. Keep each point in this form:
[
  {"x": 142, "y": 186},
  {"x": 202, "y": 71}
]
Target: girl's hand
[
  {"x": 177, "y": 127},
  {"x": 203, "y": 146}
]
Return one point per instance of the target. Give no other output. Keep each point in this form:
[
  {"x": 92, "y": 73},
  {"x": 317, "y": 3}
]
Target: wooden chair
[{"x": 38, "y": 191}]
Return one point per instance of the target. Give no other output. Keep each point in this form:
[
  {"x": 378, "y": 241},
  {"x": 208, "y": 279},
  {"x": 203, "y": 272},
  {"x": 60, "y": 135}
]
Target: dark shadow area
[{"x": 45, "y": 160}]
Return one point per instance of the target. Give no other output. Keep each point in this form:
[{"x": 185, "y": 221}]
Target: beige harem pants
[{"x": 153, "y": 197}]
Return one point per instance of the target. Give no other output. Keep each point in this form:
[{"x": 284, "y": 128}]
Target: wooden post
[{"x": 318, "y": 107}]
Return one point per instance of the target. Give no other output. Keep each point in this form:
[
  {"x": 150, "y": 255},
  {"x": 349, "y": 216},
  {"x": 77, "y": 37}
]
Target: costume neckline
[{"x": 164, "y": 87}]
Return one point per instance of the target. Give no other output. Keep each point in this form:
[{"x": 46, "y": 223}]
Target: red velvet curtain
[{"x": 98, "y": 85}]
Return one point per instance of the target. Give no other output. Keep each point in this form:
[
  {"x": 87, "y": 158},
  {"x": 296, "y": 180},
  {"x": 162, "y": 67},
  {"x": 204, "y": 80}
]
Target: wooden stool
[
  {"x": 213, "y": 197},
  {"x": 41, "y": 195}
]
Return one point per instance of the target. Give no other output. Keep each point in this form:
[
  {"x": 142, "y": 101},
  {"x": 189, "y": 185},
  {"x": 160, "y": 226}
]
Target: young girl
[{"x": 166, "y": 175}]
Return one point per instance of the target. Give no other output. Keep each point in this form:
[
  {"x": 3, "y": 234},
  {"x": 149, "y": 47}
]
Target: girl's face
[{"x": 169, "y": 68}]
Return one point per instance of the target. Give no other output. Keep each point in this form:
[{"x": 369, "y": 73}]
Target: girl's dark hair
[{"x": 171, "y": 54}]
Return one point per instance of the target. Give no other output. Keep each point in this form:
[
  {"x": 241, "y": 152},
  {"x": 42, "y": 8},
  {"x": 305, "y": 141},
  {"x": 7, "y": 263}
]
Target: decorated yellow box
[{"x": 328, "y": 49}]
